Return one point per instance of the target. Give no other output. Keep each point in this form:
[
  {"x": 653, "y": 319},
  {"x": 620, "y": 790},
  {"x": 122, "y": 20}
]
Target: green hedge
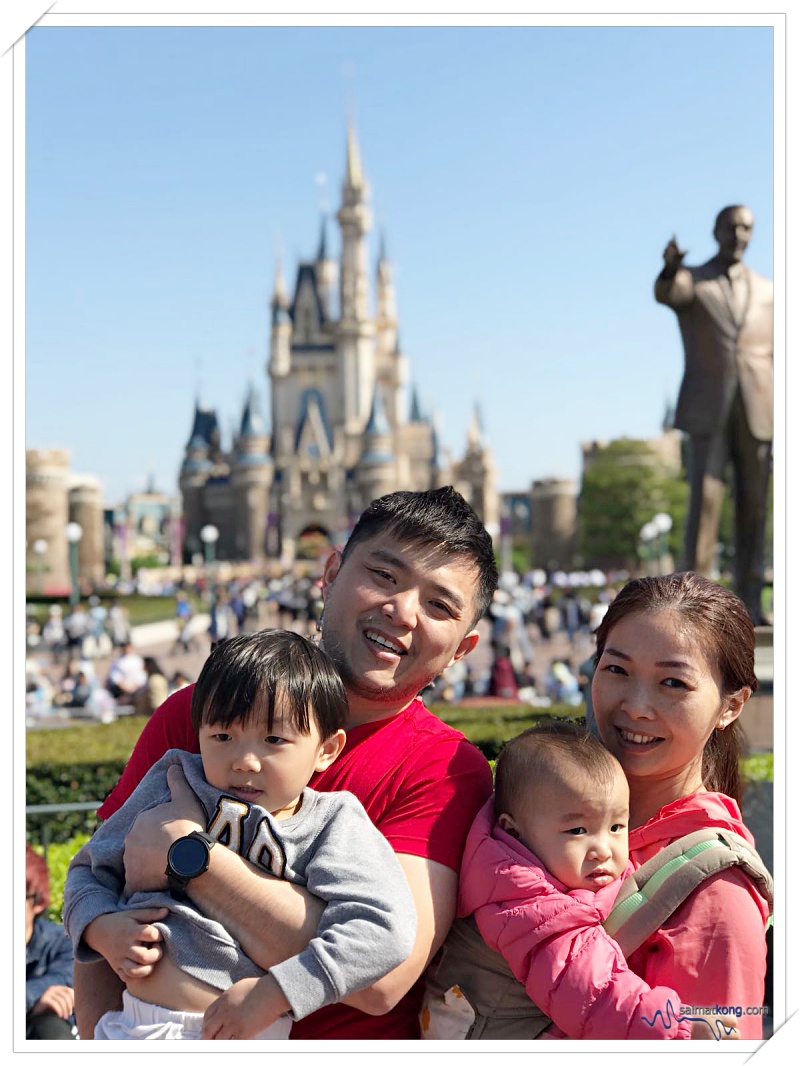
[
  {"x": 77, "y": 764},
  {"x": 82, "y": 763}
]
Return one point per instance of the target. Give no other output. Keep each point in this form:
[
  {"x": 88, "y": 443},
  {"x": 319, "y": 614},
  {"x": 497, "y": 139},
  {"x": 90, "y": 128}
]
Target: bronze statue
[{"x": 725, "y": 403}]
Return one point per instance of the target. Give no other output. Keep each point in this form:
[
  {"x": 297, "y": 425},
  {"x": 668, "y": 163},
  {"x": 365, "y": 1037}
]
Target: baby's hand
[{"x": 246, "y": 1008}]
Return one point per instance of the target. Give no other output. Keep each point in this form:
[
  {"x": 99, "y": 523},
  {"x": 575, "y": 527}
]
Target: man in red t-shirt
[{"x": 401, "y": 604}]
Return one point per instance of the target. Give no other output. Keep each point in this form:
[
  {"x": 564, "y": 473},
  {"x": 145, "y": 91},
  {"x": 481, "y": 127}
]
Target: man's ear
[
  {"x": 332, "y": 567},
  {"x": 734, "y": 705},
  {"x": 466, "y": 645},
  {"x": 330, "y": 749}
]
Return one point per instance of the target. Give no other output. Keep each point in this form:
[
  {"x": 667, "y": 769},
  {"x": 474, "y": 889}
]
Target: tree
[{"x": 624, "y": 486}]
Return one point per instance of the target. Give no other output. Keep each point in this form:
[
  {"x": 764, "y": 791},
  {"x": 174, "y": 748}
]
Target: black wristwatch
[{"x": 187, "y": 858}]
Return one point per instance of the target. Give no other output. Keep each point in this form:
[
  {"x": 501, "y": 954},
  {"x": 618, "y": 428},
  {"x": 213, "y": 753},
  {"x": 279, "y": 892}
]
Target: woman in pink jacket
[{"x": 674, "y": 670}]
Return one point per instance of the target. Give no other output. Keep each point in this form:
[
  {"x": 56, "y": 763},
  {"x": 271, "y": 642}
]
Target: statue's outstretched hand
[{"x": 673, "y": 256}]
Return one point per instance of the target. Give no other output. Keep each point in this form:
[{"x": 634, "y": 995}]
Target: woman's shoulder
[{"x": 726, "y": 910}]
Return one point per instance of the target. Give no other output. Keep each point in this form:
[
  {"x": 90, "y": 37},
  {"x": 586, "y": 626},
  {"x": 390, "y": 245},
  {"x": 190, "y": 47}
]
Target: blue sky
[{"x": 527, "y": 179}]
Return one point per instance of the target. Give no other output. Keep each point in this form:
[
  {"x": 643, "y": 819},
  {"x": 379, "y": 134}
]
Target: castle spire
[
  {"x": 475, "y": 431},
  {"x": 279, "y": 296},
  {"x": 354, "y": 173},
  {"x": 322, "y": 251}
]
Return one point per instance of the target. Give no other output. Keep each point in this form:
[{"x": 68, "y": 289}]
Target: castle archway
[{"x": 313, "y": 542}]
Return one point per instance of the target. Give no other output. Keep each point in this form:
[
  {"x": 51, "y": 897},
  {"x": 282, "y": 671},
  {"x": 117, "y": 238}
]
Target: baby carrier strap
[{"x": 652, "y": 893}]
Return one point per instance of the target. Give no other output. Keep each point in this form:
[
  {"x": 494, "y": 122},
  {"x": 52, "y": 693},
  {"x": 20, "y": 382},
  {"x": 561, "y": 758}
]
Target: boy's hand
[
  {"x": 246, "y": 1008},
  {"x": 150, "y": 836},
  {"x": 127, "y": 941}
]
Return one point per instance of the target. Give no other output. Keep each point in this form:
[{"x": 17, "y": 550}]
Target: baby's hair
[
  {"x": 245, "y": 676},
  {"x": 547, "y": 752}
]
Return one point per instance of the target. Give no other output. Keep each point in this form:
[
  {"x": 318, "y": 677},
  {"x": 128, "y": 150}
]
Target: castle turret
[
  {"x": 46, "y": 517},
  {"x": 356, "y": 329},
  {"x": 251, "y": 479},
  {"x": 386, "y": 303},
  {"x": 326, "y": 272},
  {"x": 376, "y": 473},
  {"x": 475, "y": 474},
  {"x": 281, "y": 327},
  {"x": 86, "y": 508},
  {"x": 195, "y": 471}
]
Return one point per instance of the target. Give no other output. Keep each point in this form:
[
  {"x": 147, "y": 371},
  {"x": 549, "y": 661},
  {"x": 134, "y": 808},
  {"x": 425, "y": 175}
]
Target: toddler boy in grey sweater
[{"x": 269, "y": 710}]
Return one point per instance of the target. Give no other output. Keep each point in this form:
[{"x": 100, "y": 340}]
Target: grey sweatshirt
[{"x": 330, "y": 846}]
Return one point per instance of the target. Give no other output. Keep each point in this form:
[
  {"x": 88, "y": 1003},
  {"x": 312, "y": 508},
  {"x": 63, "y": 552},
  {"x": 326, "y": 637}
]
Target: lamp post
[
  {"x": 647, "y": 535},
  {"x": 210, "y": 535},
  {"x": 73, "y": 533},
  {"x": 663, "y": 524},
  {"x": 40, "y": 550}
]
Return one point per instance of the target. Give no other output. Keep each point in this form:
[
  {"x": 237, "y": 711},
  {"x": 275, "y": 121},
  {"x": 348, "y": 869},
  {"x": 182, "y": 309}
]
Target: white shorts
[{"x": 146, "y": 1021}]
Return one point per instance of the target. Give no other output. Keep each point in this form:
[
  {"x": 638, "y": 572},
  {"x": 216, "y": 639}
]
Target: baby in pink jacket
[{"x": 542, "y": 867}]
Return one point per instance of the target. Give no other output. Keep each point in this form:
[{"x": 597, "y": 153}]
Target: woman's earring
[{"x": 319, "y": 620}]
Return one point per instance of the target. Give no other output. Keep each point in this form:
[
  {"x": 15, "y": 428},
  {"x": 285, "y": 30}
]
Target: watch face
[{"x": 188, "y": 856}]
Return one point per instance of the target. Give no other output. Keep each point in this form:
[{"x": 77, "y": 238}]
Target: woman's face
[{"x": 657, "y": 698}]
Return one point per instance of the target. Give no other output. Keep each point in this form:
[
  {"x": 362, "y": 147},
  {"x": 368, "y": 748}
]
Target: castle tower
[
  {"x": 475, "y": 475},
  {"x": 355, "y": 329},
  {"x": 554, "y": 508},
  {"x": 46, "y": 518},
  {"x": 280, "y": 328},
  {"x": 327, "y": 274},
  {"x": 195, "y": 471},
  {"x": 390, "y": 363},
  {"x": 376, "y": 474},
  {"x": 340, "y": 433},
  {"x": 86, "y": 508},
  {"x": 385, "y": 304},
  {"x": 251, "y": 479}
]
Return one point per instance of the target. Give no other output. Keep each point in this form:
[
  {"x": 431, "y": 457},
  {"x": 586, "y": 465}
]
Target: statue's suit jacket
[{"x": 719, "y": 352}]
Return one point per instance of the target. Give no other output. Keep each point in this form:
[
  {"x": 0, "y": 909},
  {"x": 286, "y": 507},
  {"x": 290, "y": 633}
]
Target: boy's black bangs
[{"x": 260, "y": 701}]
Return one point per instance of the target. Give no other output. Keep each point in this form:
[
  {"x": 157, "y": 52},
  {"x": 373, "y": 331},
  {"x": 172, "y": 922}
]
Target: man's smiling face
[{"x": 395, "y": 617}]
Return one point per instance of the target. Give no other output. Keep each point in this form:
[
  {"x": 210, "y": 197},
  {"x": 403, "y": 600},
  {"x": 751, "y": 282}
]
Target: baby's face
[{"x": 577, "y": 830}]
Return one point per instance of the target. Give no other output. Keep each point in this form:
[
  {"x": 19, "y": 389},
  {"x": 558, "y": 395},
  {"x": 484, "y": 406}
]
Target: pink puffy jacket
[
  {"x": 712, "y": 951},
  {"x": 554, "y": 942}
]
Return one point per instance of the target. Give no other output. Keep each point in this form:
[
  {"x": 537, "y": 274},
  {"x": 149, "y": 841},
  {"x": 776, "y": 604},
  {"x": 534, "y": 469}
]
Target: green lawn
[{"x": 141, "y": 609}]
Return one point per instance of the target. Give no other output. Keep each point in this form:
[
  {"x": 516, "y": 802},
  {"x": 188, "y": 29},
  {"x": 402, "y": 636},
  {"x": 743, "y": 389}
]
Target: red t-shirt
[{"x": 421, "y": 783}]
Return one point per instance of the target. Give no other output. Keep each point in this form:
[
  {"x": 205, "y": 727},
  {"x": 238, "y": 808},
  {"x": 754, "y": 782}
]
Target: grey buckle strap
[{"x": 655, "y": 891}]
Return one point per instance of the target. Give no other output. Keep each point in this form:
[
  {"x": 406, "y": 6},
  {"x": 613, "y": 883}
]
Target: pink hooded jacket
[
  {"x": 553, "y": 940},
  {"x": 712, "y": 950}
]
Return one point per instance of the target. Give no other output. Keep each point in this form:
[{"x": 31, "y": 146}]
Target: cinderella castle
[{"x": 344, "y": 428}]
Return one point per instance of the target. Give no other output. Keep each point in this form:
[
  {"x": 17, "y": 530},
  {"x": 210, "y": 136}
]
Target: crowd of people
[
  {"x": 506, "y": 885},
  {"x": 131, "y": 684}
]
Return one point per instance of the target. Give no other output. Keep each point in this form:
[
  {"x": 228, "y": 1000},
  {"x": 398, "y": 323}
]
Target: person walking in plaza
[
  {"x": 127, "y": 677},
  {"x": 119, "y": 628},
  {"x": 401, "y": 602},
  {"x": 53, "y": 636}
]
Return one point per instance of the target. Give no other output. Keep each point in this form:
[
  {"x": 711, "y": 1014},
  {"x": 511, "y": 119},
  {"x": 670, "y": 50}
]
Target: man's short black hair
[
  {"x": 437, "y": 518},
  {"x": 245, "y": 676}
]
